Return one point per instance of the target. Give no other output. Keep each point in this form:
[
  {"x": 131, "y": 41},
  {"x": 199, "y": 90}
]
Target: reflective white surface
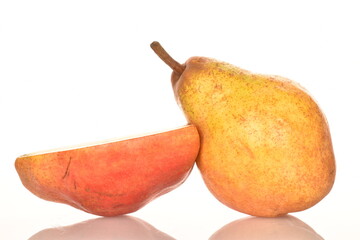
[
  {"x": 73, "y": 72},
  {"x": 127, "y": 227},
  {"x": 123, "y": 227},
  {"x": 280, "y": 228}
]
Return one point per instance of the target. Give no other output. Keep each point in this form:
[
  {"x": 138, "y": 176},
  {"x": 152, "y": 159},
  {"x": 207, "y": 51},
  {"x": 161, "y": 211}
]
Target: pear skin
[
  {"x": 114, "y": 177},
  {"x": 266, "y": 148}
]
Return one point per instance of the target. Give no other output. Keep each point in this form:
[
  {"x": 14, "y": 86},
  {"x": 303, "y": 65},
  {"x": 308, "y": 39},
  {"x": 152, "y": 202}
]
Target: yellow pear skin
[{"x": 266, "y": 148}]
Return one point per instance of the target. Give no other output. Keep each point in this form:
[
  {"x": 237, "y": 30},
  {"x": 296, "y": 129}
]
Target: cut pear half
[{"x": 112, "y": 177}]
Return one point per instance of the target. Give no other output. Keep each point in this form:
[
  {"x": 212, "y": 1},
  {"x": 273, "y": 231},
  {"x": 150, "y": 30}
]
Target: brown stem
[{"x": 160, "y": 51}]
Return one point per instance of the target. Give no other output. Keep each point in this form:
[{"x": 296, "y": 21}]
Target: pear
[
  {"x": 112, "y": 177},
  {"x": 266, "y": 148}
]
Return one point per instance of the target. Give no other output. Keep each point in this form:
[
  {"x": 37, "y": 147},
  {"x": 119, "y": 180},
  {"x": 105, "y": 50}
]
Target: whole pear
[{"x": 265, "y": 147}]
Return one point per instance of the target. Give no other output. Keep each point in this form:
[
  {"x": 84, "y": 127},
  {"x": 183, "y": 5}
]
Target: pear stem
[{"x": 160, "y": 51}]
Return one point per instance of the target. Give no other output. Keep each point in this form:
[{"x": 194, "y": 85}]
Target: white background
[{"x": 82, "y": 71}]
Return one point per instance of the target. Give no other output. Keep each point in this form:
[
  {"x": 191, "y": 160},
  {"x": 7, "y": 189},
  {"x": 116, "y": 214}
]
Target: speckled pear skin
[{"x": 266, "y": 148}]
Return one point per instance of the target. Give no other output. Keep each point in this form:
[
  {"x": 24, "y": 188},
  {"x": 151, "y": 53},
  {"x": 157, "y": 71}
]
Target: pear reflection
[
  {"x": 256, "y": 228},
  {"x": 111, "y": 228}
]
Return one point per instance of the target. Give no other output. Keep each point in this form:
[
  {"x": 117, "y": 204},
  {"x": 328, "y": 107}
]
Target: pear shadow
[
  {"x": 257, "y": 228},
  {"x": 104, "y": 228}
]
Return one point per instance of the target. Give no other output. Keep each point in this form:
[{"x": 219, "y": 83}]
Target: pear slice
[{"x": 114, "y": 177}]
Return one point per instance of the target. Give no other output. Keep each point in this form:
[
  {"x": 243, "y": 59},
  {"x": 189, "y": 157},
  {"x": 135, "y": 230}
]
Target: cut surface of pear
[
  {"x": 96, "y": 143},
  {"x": 114, "y": 177},
  {"x": 266, "y": 148}
]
